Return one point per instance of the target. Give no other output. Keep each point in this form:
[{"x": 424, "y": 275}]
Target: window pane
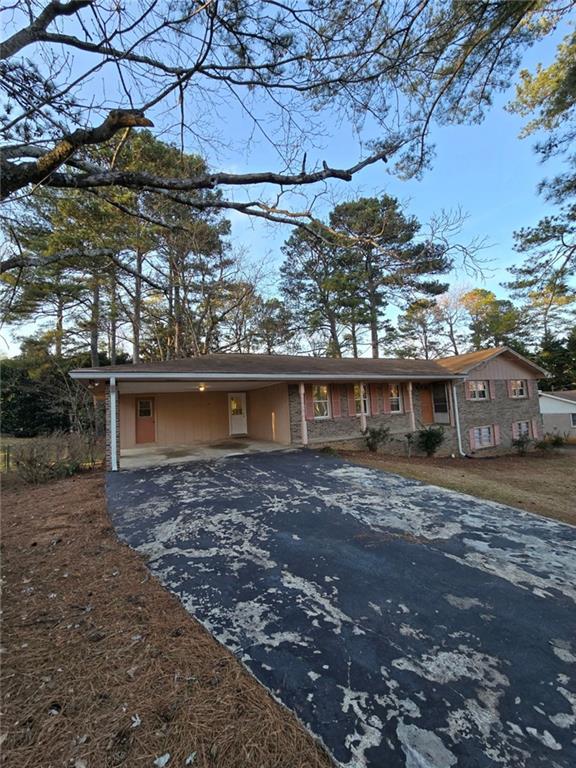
[
  {"x": 236, "y": 406},
  {"x": 320, "y": 410},
  {"x": 440, "y": 398},
  {"x": 144, "y": 408}
]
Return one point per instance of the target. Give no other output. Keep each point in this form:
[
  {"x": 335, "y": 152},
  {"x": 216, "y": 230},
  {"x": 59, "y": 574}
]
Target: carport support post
[
  {"x": 411, "y": 408},
  {"x": 363, "y": 399},
  {"x": 304, "y": 425},
  {"x": 113, "y": 436}
]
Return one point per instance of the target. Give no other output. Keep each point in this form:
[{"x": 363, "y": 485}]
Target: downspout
[
  {"x": 113, "y": 425},
  {"x": 457, "y": 422},
  {"x": 304, "y": 425}
]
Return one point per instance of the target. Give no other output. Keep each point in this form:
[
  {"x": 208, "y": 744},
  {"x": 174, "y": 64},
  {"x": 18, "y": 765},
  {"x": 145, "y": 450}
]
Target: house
[
  {"x": 482, "y": 399},
  {"x": 558, "y": 411}
]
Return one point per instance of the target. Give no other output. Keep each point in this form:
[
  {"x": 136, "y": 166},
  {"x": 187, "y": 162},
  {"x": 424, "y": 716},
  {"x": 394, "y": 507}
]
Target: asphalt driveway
[{"x": 405, "y": 624}]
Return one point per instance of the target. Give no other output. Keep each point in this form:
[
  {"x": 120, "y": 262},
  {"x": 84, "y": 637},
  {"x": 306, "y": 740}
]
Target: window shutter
[
  {"x": 467, "y": 390},
  {"x": 514, "y": 430},
  {"x": 335, "y": 401},
  {"x": 492, "y": 389},
  {"x": 472, "y": 439},
  {"x": 351, "y": 401},
  {"x": 373, "y": 389},
  {"x": 496, "y": 430},
  {"x": 309, "y": 403},
  {"x": 509, "y": 387},
  {"x": 385, "y": 398},
  {"x": 535, "y": 428}
]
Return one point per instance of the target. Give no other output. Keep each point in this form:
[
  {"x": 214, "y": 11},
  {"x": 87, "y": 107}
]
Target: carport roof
[{"x": 279, "y": 367}]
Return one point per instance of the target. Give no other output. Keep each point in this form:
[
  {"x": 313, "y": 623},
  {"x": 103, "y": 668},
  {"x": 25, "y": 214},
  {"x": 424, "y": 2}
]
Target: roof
[
  {"x": 567, "y": 394},
  {"x": 467, "y": 362},
  {"x": 281, "y": 367}
]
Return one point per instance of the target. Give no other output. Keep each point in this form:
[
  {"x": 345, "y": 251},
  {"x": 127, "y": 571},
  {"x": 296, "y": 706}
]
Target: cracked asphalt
[{"x": 406, "y": 625}]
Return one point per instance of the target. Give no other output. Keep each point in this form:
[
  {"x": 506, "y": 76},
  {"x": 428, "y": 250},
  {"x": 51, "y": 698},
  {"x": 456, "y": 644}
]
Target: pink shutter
[
  {"x": 351, "y": 401},
  {"x": 309, "y": 403},
  {"x": 335, "y": 401},
  {"x": 386, "y": 398},
  {"x": 492, "y": 390},
  {"x": 514, "y": 430},
  {"x": 509, "y": 387},
  {"x": 467, "y": 390},
  {"x": 530, "y": 388},
  {"x": 472, "y": 439},
  {"x": 535, "y": 428},
  {"x": 374, "y": 410},
  {"x": 497, "y": 439}
]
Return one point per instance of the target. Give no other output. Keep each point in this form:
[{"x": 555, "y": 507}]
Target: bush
[
  {"x": 430, "y": 439},
  {"x": 521, "y": 444},
  {"x": 55, "y": 456},
  {"x": 374, "y": 437},
  {"x": 410, "y": 437},
  {"x": 551, "y": 441}
]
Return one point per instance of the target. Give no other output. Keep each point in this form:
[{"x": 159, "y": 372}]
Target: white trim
[
  {"x": 364, "y": 411},
  {"x": 113, "y": 423},
  {"x": 411, "y": 406},
  {"x": 304, "y": 425},
  {"x": 87, "y": 373},
  {"x": 457, "y": 421},
  {"x": 327, "y": 401}
]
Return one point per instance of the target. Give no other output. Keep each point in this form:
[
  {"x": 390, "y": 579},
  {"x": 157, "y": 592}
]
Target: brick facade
[{"x": 345, "y": 431}]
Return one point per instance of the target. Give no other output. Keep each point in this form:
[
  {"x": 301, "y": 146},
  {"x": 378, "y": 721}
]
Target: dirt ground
[
  {"x": 541, "y": 483},
  {"x": 102, "y": 667}
]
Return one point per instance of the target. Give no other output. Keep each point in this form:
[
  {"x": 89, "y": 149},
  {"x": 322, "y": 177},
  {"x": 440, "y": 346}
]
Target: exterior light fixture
[{"x": 202, "y": 387}]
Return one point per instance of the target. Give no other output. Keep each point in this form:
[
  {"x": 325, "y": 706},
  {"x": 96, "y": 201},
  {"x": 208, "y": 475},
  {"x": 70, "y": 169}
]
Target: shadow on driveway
[{"x": 405, "y": 624}]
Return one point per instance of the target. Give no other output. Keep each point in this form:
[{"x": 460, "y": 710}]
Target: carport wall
[{"x": 344, "y": 430}]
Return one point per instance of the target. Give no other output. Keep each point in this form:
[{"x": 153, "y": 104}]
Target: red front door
[{"x": 145, "y": 420}]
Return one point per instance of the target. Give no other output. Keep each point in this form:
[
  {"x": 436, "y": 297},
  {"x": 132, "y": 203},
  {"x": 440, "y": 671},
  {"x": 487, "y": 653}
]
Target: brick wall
[
  {"x": 502, "y": 410},
  {"x": 109, "y": 434}
]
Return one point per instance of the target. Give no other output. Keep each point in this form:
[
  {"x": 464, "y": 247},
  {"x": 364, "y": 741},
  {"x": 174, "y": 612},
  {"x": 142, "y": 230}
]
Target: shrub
[
  {"x": 521, "y": 444},
  {"x": 410, "y": 437},
  {"x": 430, "y": 439},
  {"x": 374, "y": 437},
  {"x": 551, "y": 441},
  {"x": 57, "y": 455}
]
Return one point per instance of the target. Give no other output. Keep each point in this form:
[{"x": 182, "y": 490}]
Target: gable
[{"x": 502, "y": 367}]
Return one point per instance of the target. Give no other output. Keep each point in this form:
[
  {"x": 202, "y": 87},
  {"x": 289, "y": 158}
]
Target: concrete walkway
[
  {"x": 406, "y": 625},
  {"x": 145, "y": 456}
]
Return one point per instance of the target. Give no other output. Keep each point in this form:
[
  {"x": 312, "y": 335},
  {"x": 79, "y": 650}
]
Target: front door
[
  {"x": 145, "y": 420},
  {"x": 237, "y": 413}
]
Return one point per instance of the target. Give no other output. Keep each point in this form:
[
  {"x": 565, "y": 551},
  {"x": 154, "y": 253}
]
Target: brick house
[{"x": 483, "y": 400}]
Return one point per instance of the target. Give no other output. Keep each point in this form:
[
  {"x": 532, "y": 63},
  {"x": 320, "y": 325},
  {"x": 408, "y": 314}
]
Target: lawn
[
  {"x": 541, "y": 483},
  {"x": 103, "y": 667}
]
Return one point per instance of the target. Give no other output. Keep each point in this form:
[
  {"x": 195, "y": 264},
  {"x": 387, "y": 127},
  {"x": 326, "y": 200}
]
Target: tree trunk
[
  {"x": 59, "y": 333},
  {"x": 452, "y": 337},
  {"x": 354, "y": 337},
  {"x": 335, "y": 341},
  {"x": 95, "y": 323},
  {"x": 113, "y": 320},
  {"x": 137, "y": 314}
]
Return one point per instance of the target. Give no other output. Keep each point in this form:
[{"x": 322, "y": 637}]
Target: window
[
  {"x": 320, "y": 401},
  {"x": 478, "y": 390},
  {"x": 520, "y": 429},
  {"x": 360, "y": 400},
  {"x": 573, "y": 415},
  {"x": 395, "y": 399},
  {"x": 483, "y": 437},
  {"x": 440, "y": 400},
  {"x": 518, "y": 388},
  {"x": 144, "y": 409},
  {"x": 236, "y": 406}
]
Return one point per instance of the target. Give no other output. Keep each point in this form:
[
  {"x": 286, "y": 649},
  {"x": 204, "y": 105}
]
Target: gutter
[{"x": 91, "y": 374}]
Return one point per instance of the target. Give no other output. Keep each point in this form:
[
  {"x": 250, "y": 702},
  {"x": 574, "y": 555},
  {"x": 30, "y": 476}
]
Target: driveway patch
[{"x": 405, "y": 624}]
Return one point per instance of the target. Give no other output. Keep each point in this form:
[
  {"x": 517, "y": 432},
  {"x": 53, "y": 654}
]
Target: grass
[
  {"x": 540, "y": 483},
  {"x": 103, "y": 667}
]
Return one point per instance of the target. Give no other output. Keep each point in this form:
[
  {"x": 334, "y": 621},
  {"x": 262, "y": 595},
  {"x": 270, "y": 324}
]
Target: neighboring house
[
  {"x": 483, "y": 400},
  {"x": 558, "y": 411}
]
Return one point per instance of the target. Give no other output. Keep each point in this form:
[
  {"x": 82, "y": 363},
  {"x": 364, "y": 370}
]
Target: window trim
[
  {"x": 492, "y": 444},
  {"x": 360, "y": 399},
  {"x": 518, "y": 433},
  {"x": 524, "y": 383},
  {"x": 473, "y": 393},
  {"x": 573, "y": 417},
  {"x": 327, "y": 401},
  {"x": 399, "y": 398}
]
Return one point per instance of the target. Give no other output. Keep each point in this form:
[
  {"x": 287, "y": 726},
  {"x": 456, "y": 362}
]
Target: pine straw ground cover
[{"x": 102, "y": 667}]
